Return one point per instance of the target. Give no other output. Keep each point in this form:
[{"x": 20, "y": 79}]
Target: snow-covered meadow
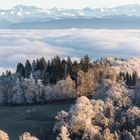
[{"x": 19, "y": 45}]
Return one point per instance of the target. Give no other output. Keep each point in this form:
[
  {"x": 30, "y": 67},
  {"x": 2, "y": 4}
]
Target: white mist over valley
[{"x": 20, "y": 45}]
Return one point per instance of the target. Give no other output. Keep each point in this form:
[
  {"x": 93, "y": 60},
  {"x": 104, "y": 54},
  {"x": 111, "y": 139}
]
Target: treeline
[{"x": 53, "y": 70}]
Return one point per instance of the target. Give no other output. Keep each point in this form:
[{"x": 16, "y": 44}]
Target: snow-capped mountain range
[{"x": 28, "y": 14}]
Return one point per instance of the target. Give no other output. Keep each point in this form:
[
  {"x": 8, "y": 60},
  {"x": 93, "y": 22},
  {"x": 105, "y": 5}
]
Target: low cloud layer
[{"x": 19, "y": 45}]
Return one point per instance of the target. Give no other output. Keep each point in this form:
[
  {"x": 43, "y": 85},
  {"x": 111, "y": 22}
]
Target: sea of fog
[{"x": 19, "y": 45}]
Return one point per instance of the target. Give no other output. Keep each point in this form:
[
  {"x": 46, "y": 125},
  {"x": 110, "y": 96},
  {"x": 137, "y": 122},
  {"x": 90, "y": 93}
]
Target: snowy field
[
  {"x": 19, "y": 45},
  {"x": 16, "y": 120}
]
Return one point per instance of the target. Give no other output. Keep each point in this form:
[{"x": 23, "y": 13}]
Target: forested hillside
[{"x": 42, "y": 81}]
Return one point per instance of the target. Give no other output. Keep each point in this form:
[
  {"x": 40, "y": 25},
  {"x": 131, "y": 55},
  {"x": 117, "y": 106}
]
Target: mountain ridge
[{"x": 21, "y": 14}]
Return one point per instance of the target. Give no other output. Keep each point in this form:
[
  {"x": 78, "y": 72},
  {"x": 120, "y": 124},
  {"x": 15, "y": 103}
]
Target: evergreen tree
[
  {"x": 47, "y": 73},
  {"x": 69, "y": 65},
  {"x": 34, "y": 66},
  {"x": 127, "y": 78},
  {"x": 43, "y": 64},
  {"x": 85, "y": 63},
  {"x": 46, "y": 78},
  {"x": 20, "y": 70},
  {"x": 57, "y": 74},
  {"x": 64, "y": 68},
  {"x": 8, "y": 73},
  {"x": 28, "y": 69},
  {"x": 48, "y": 67},
  {"x": 75, "y": 69},
  {"x": 134, "y": 78},
  {"x": 122, "y": 76},
  {"x": 38, "y": 64}
]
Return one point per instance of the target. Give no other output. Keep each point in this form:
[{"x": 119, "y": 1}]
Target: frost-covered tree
[
  {"x": 85, "y": 83},
  {"x": 66, "y": 88},
  {"x": 110, "y": 115},
  {"x": 7, "y": 82},
  {"x": 32, "y": 90},
  {"x": 118, "y": 93},
  {"x": 64, "y": 134},
  {"x": 3, "y": 135},
  {"x": 14, "y": 90},
  {"x": 79, "y": 121},
  {"x": 27, "y": 136},
  {"x": 18, "y": 97}
]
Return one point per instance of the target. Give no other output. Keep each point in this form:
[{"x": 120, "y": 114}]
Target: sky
[
  {"x": 7, "y": 4},
  {"x": 19, "y": 45}
]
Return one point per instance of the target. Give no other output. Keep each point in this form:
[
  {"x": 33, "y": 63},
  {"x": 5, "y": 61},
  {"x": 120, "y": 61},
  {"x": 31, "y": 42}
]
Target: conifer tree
[
  {"x": 28, "y": 69},
  {"x": 20, "y": 70},
  {"x": 34, "y": 66},
  {"x": 69, "y": 65},
  {"x": 43, "y": 64},
  {"x": 134, "y": 78},
  {"x": 85, "y": 63}
]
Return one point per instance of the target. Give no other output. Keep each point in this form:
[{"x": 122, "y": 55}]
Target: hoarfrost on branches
[
  {"x": 3, "y": 135},
  {"x": 110, "y": 115},
  {"x": 27, "y": 136}
]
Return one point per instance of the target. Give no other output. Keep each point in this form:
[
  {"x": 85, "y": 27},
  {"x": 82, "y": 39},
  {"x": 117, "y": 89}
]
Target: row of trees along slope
[{"x": 57, "y": 79}]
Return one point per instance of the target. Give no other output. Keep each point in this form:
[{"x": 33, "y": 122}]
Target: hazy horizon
[{"x": 78, "y": 4}]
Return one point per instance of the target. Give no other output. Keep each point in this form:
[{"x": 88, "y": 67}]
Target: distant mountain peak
[
  {"x": 25, "y": 7},
  {"x": 129, "y": 6}
]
